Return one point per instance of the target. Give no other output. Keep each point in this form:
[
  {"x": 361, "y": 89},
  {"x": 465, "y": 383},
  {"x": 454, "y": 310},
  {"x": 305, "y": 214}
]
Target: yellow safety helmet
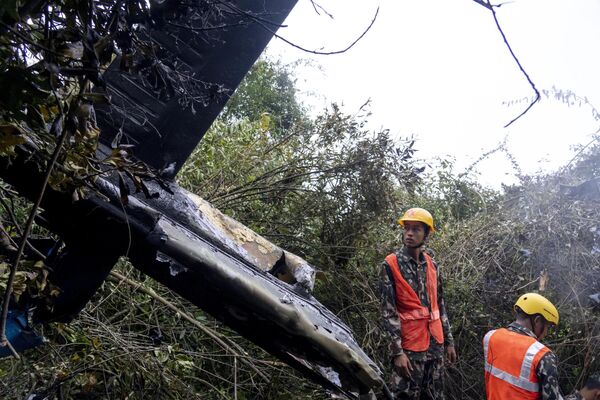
[
  {"x": 418, "y": 214},
  {"x": 533, "y": 303}
]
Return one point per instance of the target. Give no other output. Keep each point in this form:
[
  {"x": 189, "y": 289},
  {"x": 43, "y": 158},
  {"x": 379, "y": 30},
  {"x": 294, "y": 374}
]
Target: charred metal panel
[
  {"x": 171, "y": 239},
  {"x": 167, "y": 128},
  {"x": 254, "y": 248}
]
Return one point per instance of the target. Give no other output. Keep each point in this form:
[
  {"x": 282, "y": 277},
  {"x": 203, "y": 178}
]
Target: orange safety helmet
[{"x": 418, "y": 214}]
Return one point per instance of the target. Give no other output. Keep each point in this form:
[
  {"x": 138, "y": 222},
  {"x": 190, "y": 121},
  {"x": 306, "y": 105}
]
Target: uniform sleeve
[
  {"x": 448, "y": 338},
  {"x": 547, "y": 373},
  {"x": 391, "y": 322}
]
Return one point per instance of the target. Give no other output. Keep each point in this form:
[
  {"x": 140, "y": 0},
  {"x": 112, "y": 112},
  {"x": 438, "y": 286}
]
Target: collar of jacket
[
  {"x": 407, "y": 258},
  {"x": 516, "y": 327}
]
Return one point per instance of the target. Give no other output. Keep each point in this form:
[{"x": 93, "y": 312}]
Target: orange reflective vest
[
  {"x": 511, "y": 360},
  {"x": 417, "y": 321}
]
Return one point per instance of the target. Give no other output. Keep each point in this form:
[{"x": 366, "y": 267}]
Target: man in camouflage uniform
[
  {"x": 591, "y": 390},
  {"x": 546, "y": 371},
  {"x": 415, "y": 374},
  {"x": 535, "y": 314}
]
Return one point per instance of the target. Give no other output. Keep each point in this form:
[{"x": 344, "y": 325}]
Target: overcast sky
[{"x": 439, "y": 70}]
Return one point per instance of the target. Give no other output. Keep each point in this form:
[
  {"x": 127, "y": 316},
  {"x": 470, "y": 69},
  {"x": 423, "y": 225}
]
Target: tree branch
[
  {"x": 318, "y": 7},
  {"x": 483, "y": 3},
  {"x": 325, "y": 53},
  {"x": 537, "y": 93},
  {"x": 204, "y": 29}
]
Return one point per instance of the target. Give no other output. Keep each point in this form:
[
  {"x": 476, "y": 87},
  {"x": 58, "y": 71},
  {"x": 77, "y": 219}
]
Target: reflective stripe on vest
[{"x": 521, "y": 381}]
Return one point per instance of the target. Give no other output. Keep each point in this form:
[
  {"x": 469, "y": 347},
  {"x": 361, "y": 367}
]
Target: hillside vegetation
[{"x": 329, "y": 189}]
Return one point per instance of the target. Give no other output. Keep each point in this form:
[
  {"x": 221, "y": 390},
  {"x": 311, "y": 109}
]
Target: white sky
[{"x": 439, "y": 70}]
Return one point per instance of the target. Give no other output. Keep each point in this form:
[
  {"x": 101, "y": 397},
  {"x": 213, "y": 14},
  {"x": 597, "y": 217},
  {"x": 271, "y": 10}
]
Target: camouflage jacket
[
  {"x": 546, "y": 371},
  {"x": 415, "y": 275}
]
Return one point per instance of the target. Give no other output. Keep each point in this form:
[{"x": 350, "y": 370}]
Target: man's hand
[
  {"x": 403, "y": 364},
  {"x": 451, "y": 354}
]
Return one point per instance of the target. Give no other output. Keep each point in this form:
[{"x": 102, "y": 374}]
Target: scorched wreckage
[{"x": 255, "y": 287}]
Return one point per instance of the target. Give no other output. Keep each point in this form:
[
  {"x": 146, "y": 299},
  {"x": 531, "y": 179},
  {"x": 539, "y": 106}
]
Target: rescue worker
[
  {"x": 414, "y": 314},
  {"x": 517, "y": 365},
  {"x": 591, "y": 390}
]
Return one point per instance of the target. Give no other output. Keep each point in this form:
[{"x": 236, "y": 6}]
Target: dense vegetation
[{"x": 330, "y": 190}]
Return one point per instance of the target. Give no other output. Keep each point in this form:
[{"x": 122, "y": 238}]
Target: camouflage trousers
[{"x": 426, "y": 381}]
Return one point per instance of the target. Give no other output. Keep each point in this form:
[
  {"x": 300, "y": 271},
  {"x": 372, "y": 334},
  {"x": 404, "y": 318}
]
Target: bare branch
[
  {"x": 325, "y": 53},
  {"x": 483, "y": 3},
  {"x": 31, "y": 42},
  {"x": 249, "y": 15},
  {"x": 204, "y": 29},
  {"x": 12, "y": 350},
  {"x": 318, "y": 7},
  {"x": 537, "y": 93}
]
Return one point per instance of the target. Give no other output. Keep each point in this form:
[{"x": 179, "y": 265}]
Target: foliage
[
  {"x": 126, "y": 344},
  {"x": 268, "y": 91},
  {"x": 317, "y": 188},
  {"x": 450, "y": 196},
  {"x": 52, "y": 58},
  {"x": 325, "y": 188},
  {"x": 256, "y": 177},
  {"x": 537, "y": 239}
]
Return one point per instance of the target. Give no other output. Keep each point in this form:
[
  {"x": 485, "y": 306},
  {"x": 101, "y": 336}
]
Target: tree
[{"x": 268, "y": 90}]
